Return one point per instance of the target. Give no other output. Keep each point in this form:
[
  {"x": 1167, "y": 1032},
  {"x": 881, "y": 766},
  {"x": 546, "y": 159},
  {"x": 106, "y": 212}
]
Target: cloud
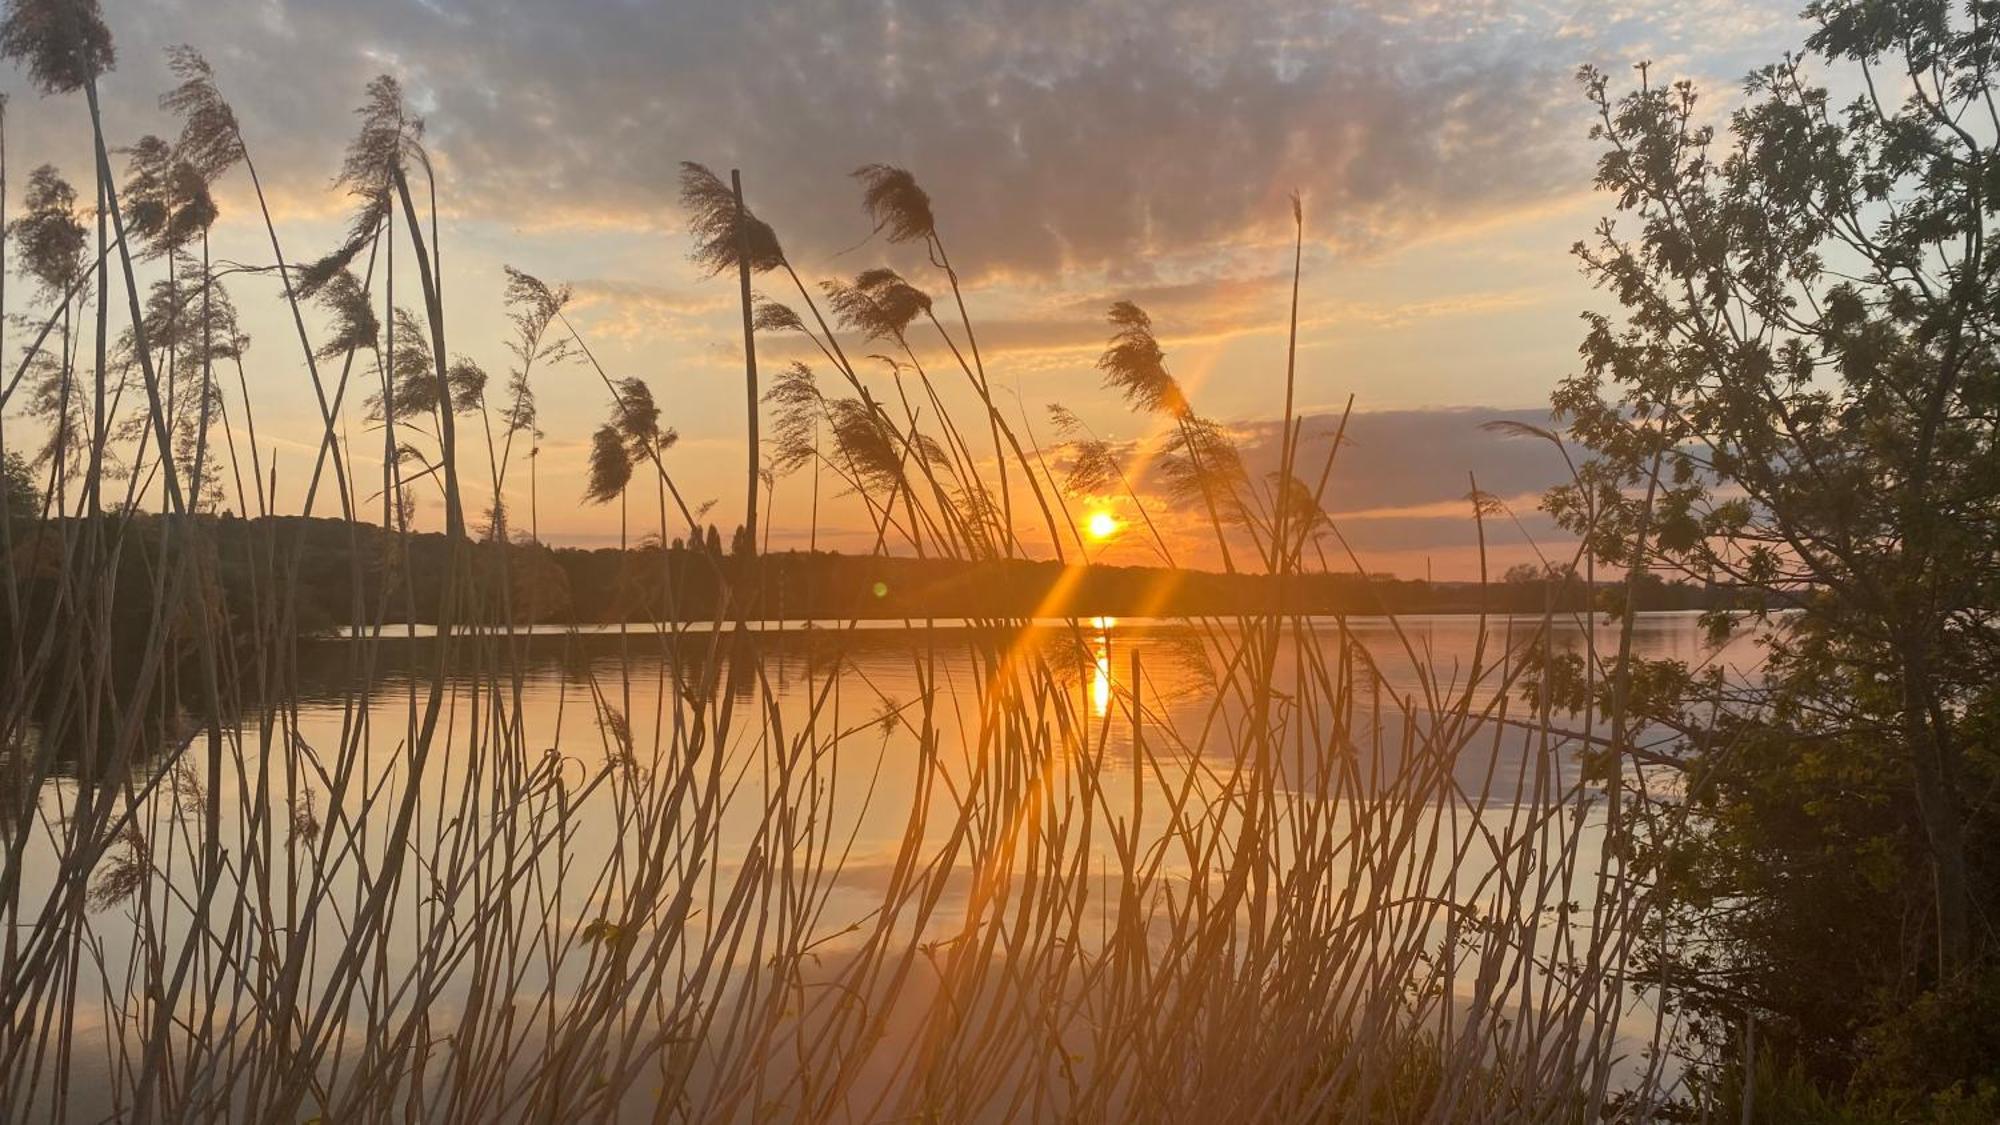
[
  {"x": 1410, "y": 458},
  {"x": 1114, "y": 136},
  {"x": 1397, "y": 489},
  {"x": 1068, "y": 333},
  {"x": 1400, "y": 480},
  {"x": 1458, "y": 509},
  {"x": 625, "y": 308},
  {"x": 1077, "y": 151}
]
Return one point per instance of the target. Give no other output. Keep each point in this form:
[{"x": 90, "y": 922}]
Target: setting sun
[{"x": 684, "y": 703}]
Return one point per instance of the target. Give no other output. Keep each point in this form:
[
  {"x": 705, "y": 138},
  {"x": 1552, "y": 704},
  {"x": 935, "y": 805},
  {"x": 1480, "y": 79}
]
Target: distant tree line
[{"x": 353, "y": 574}]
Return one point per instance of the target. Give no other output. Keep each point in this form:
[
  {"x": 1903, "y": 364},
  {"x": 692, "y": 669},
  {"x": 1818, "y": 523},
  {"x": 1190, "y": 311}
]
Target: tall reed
[{"x": 494, "y": 874}]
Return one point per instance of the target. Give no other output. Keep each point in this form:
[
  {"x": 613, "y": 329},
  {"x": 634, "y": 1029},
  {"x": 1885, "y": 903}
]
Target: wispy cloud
[
  {"x": 626, "y": 308},
  {"x": 1054, "y": 135},
  {"x": 1398, "y": 487},
  {"x": 1077, "y": 153}
]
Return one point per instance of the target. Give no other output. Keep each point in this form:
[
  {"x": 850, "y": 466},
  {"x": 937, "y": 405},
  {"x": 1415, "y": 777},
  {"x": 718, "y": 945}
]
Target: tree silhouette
[{"x": 1798, "y": 402}]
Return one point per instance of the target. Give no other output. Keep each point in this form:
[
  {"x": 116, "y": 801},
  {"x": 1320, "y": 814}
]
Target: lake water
[
  {"x": 575, "y": 687},
  {"x": 878, "y": 744}
]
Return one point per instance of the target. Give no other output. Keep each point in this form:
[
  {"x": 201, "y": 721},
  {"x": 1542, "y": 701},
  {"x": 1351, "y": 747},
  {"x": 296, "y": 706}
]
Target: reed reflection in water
[{"x": 914, "y": 813}]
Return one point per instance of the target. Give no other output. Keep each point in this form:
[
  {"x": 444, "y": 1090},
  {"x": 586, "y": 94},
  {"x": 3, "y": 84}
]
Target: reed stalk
[{"x": 1267, "y": 866}]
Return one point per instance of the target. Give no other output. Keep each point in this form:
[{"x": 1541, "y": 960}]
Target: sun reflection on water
[{"x": 1100, "y": 672}]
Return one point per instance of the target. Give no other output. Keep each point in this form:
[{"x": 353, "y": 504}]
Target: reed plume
[
  {"x": 65, "y": 44},
  {"x": 52, "y": 241},
  {"x": 710, "y": 207},
  {"x": 1259, "y": 878},
  {"x": 900, "y": 209},
  {"x": 610, "y": 465}
]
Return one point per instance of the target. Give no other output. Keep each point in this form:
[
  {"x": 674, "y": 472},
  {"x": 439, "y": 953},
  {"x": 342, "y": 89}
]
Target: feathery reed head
[
  {"x": 1485, "y": 505},
  {"x": 532, "y": 305},
  {"x": 796, "y": 422},
  {"x": 145, "y": 190},
  {"x": 467, "y": 381},
  {"x": 388, "y": 133},
  {"x": 872, "y": 448},
  {"x": 531, "y": 302},
  {"x": 64, "y": 43},
  {"x": 772, "y": 316},
  {"x": 374, "y": 158},
  {"x": 610, "y": 468},
  {"x": 1134, "y": 365},
  {"x": 53, "y": 399},
  {"x": 413, "y": 378},
  {"x": 635, "y": 414},
  {"x": 360, "y": 230},
  {"x": 355, "y": 325},
  {"x": 191, "y": 320},
  {"x": 898, "y": 207},
  {"x": 194, "y": 209},
  {"x": 209, "y": 140},
  {"x": 51, "y": 235},
  {"x": 167, "y": 201},
  {"x": 1094, "y": 465},
  {"x": 1513, "y": 428},
  {"x": 1200, "y": 462},
  {"x": 878, "y": 303},
  {"x": 711, "y": 208},
  {"x": 1094, "y": 468},
  {"x": 1293, "y": 499},
  {"x": 123, "y": 872}
]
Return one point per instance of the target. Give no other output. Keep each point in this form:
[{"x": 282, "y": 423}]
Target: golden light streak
[{"x": 1100, "y": 672}]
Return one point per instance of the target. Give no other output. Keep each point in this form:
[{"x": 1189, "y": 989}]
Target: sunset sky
[{"x": 1075, "y": 155}]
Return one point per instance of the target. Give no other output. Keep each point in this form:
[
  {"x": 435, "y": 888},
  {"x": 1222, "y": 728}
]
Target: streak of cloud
[{"x": 1116, "y": 135}]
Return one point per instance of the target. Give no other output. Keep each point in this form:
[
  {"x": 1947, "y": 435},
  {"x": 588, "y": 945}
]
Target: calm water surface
[{"x": 893, "y": 709}]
